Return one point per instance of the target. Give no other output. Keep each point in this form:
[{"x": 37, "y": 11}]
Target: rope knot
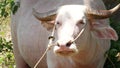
[{"x": 51, "y": 37}]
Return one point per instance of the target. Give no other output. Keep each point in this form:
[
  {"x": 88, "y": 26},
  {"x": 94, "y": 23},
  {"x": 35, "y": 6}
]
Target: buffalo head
[{"x": 69, "y": 21}]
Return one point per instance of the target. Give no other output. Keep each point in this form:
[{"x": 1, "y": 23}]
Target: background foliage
[
  {"x": 6, "y": 50},
  {"x": 113, "y": 61}
]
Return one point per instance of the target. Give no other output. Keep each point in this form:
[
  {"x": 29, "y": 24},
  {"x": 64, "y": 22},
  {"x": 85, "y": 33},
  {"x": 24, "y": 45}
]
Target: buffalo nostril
[
  {"x": 58, "y": 45},
  {"x": 69, "y": 43}
]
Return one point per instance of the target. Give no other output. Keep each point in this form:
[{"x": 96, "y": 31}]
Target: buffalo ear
[
  {"x": 103, "y": 31},
  {"x": 99, "y": 27}
]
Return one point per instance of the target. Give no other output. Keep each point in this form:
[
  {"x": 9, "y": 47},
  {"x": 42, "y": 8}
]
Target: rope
[
  {"x": 79, "y": 34},
  {"x": 50, "y": 44},
  {"x": 41, "y": 57},
  {"x": 51, "y": 39},
  {"x": 110, "y": 60},
  {"x": 106, "y": 55},
  {"x": 83, "y": 28}
]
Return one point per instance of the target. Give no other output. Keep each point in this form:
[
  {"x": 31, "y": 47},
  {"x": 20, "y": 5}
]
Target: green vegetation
[
  {"x": 113, "y": 60},
  {"x": 6, "y": 48},
  {"x": 6, "y": 54}
]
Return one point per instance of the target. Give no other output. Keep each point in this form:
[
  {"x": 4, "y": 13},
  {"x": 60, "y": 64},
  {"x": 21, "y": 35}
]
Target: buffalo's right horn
[{"x": 101, "y": 14}]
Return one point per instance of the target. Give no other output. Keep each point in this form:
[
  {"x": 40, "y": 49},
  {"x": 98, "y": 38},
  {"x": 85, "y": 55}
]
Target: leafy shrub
[
  {"x": 112, "y": 60},
  {"x": 6, "y": 49},
  {"x": 8, "y": 6},
  {"x": 6, "y": 53}
]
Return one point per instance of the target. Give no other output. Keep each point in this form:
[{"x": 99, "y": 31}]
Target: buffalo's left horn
[
  {"x": 47, "y": 16},
  {"x": 101, "y": 14}
]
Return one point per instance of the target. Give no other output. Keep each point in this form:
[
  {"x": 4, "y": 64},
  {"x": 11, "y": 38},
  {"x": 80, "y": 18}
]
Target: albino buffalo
[{"x": 82, "y": 33}]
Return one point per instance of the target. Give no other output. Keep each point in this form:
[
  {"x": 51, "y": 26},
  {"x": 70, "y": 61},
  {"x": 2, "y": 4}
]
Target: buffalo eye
[
  {"x": 58, "y": 23},
  {"x": 80, "y": 22}
]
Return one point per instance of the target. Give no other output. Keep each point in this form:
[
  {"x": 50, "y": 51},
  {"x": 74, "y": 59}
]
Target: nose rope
[
  {"x": 51, "y": 39},
  {"x": 50, "y": 44},
  {"x": 82, "y": 30}
]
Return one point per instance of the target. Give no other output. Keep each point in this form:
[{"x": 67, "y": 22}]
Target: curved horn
[
  {"x": 101, "y": 14},
  {"x": 47, "y": 16}
]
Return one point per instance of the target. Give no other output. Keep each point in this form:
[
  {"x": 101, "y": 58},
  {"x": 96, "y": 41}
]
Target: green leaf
[
  {"x": 15, "y": 8},
  {"x": 2, "y": 11}
]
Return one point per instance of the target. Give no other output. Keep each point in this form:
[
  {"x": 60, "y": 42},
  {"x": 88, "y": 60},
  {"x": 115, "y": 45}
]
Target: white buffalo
[{"x": 82, "y": 33}]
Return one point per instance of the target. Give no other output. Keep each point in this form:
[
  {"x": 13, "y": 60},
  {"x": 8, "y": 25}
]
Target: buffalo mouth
[{"x": 65, "y": 53}]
